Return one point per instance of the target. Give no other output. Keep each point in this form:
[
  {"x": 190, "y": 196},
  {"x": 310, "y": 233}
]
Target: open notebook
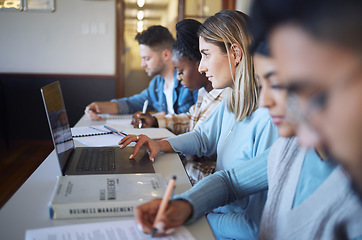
[{"x": 99, "y": 136}]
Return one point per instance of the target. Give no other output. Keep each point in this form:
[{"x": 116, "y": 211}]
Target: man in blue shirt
[{"x": 165, "y": 93}]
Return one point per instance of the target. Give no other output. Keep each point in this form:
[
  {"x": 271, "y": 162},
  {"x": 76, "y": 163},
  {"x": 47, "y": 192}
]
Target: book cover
[{"x": 88, "y": 196}]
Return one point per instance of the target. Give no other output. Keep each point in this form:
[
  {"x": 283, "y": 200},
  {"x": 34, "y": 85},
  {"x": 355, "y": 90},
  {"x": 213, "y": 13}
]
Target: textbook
[{"x": 88, "y": 196}]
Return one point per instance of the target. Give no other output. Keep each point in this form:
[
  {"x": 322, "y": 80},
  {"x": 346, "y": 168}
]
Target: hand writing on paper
[
  {"x": 93, "y": 109},
  {"x": 178, "y": 211},
  {"x": 146, "y": 118},
  {"x": 154, "y": 147}
]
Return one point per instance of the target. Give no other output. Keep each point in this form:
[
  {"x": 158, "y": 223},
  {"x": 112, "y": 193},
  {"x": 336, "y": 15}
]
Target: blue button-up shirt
[{"x": 182, "y": 98}]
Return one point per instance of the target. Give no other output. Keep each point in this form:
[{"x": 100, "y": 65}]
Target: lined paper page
[{"x": 114, "y": 230}]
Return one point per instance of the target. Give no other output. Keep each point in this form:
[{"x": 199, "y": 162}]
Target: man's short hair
[
  {"x": 156, "y": 37},
  {"x": 338, "y": 21}
]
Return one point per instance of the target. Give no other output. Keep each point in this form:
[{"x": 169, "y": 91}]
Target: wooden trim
[
  {"x": 148, "y": 6},
  {"x": 119, "y": 47},
  {"x": 181, "y": 10},
  {"x": 50, "y": 75},
  {"x": 197, "y": 16},
  {"x": 228, "y": 4}
]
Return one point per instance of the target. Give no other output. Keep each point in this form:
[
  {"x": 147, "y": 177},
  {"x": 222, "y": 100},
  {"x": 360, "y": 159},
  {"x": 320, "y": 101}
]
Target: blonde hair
[{"x": 224, "y": 29}]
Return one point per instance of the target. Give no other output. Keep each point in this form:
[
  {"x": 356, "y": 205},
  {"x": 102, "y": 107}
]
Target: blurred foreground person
[{"x": 318, "y": 48}]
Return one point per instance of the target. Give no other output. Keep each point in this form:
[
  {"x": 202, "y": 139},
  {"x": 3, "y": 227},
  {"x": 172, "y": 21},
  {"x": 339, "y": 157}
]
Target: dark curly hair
[{"x": 187, "y": 42}]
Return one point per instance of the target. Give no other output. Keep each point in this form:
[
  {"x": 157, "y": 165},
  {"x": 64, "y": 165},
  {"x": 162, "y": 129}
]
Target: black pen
[{"x": 115, "y": 131}]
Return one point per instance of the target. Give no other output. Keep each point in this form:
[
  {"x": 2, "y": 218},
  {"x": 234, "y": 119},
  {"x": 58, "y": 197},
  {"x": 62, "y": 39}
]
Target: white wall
[
  {"x": 243, "y": 5},
  {"x": 78, "y": 38},
  {"x": 169, "y": 19}
]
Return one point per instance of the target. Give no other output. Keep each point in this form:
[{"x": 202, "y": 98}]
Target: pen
[
  {"x": 164, "y": 202},
  {"x": 144, "y": 109},
  {"x": 98, "y": 129},
  {"x": 115, "y": 131}
]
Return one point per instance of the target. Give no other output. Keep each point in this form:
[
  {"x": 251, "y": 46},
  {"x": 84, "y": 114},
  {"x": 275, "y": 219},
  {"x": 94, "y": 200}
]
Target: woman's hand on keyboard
[{"x": 154, "y": 147}]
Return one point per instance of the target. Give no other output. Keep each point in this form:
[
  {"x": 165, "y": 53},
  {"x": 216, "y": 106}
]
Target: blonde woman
[{"x": 238, "y": 130}]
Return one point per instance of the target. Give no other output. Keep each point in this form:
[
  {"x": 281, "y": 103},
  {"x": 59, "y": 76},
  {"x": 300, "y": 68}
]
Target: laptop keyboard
[{"x": 97, "y": 159}]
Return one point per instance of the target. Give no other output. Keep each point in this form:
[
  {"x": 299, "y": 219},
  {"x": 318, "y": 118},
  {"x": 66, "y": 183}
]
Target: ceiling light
[
  {"x": 140, "y": 15},
  {"x": 141, "y": 3},
  {"x": 139, "y": 26}
]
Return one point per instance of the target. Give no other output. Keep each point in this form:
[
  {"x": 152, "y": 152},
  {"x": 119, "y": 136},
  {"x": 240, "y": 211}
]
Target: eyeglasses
[
  {"x": 306, "y": 99},
  {"x": 299, "y": 113}
]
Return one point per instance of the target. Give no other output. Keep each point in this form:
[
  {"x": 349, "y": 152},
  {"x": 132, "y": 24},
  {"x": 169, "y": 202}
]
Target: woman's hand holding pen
[
  {"x": 154, "y": 147},
  {"x": 146, "y": 120},
  {"x": 177, "y": 212}
]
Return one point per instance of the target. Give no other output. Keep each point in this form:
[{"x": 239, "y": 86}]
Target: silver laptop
[{"x": 86, "y": 160}]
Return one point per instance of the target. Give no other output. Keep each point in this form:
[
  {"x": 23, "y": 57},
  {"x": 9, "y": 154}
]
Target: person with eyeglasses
[
  {"x": 300, "y": 202},
  {"x": 318, "y": 46},
  {"x": 302, "y": 181}
]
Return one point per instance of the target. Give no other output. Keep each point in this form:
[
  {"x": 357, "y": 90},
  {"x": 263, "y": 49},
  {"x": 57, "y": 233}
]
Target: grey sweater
[{"x": 333, "y": 211}]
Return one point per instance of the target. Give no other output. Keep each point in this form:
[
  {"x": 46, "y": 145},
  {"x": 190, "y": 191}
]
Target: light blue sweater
[
  {"x": 234, "y": 143},
  {"x": 316, "y": 210}
]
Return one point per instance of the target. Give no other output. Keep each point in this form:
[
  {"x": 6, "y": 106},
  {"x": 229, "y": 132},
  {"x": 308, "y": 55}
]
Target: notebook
[
  {"x": 153, "y": 133},
  {"x": 88, "y": 131},
  {"x": 84, "y": 160}
]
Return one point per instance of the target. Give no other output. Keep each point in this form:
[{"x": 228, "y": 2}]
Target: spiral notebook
[
  {"x": 88, "y": 131},
  {"x": 153, "y": 133}
]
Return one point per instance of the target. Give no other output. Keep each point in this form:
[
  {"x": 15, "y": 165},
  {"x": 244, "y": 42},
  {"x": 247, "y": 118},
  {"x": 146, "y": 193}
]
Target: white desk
[{"x": 28, "y": 207}]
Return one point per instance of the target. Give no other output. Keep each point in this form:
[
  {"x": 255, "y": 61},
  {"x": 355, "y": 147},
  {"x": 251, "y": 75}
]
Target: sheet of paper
[
  {"x": 116, "y": 117},
  {"x": 101, "y": 140},
  {"x": 120, "y": 123},
  {"x": 114, "y": 230}
]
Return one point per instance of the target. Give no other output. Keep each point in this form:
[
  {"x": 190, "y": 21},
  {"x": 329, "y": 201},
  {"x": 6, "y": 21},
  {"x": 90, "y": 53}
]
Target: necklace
[{"x": 231, "y": 130}]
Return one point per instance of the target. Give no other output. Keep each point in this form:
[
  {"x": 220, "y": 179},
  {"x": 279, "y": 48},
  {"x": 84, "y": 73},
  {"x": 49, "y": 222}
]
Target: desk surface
[{"x": 28, "y": 207}]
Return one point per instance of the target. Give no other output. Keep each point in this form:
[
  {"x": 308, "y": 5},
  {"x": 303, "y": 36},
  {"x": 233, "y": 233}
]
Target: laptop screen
[{"x": 58, "y": 122}]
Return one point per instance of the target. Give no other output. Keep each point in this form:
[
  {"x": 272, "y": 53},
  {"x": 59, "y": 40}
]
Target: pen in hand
[
  {"x": 144, "y": 109},
  {"x": 163, "y": 205}
]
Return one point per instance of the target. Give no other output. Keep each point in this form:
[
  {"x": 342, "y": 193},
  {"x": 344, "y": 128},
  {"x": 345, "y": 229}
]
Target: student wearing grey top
[{"x": 318, "y": 49}]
